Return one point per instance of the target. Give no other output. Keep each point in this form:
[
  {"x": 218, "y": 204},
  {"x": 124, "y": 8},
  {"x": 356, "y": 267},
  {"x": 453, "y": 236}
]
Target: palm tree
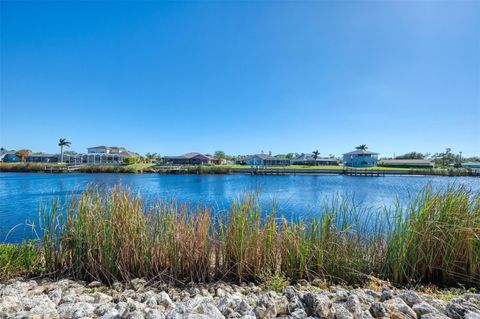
[
  {"x": 315, "y": 153},
  {"x": 362, "y": 147},
  {"x": 63, "y": 142}
]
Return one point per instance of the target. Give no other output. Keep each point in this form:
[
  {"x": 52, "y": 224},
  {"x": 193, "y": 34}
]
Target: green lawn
[{"x": 305, "y": 167}]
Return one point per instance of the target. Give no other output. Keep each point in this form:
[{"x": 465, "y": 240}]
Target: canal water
[{"x": 294, "y": 196}]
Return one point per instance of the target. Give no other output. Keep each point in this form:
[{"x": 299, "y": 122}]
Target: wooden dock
[
  {"x": 290, "y": 171},
  {"x": 362, "y": 172},
  {"x": 173, "y": 170},
  {"x": 62, "y": 169}
]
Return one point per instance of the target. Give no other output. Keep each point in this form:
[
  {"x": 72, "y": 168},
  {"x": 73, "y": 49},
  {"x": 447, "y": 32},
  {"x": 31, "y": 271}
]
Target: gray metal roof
[
  {"x": 359, "y": 152},
  {"x": 266, "y": 157},
  {"x": 187, "y": 156},
  {"x": 309, "y": 157}
]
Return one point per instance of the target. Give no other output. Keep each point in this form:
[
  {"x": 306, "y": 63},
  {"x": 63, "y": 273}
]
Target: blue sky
[{"x": 173, "y": 77}]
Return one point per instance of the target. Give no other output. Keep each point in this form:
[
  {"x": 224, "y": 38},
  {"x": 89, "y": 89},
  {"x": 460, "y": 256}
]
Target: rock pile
[{"x": 70, "y": 299}]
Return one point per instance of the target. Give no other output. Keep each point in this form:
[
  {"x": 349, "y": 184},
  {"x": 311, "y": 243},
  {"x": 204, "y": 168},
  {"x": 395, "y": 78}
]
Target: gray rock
[
  {"x": 472, "y": 315},
  {"x": 220, "y": 292},
  {"x": 208, "y": 310},
  {"x": 266, "y": 308},
  {"x": 410, "y": 297},
  {"x": 10, "y": 305},
  {"x": 341, "y": 312},
  {"x": 75, "y": 310},
  {"x": 460, "y": 308},
  {"x": 323, "y": 306},
  {"x": 298, "y": 314},
  {"x": 164, "y": 300},
  {"x": 43, "y": 311},
  {"x": 102, "y": 309},
  {"x": 438, "y": 304},
  {"x": 230, "y": 304},
  {"x": 244, "y": 309},
  {"x": 423, "y": 308},
  {"x": 55, "y": 295},
  {"x": 363, "y": 315},
  {"x": 319, "y": 305},
  {"x": 290, "y": 292},
  {"x": 282, "y": 305},
  {"x": 353, "y": 304},
  {"x": 378, "y": 310},
  {"x": 398, "y": 305},
  {"x": 375, "y": 295},
  {"x": 68, "y": 299},
  {"x": 138, "y": 283},
  {"x": 341, "y": 295},
  {"x": 154, "y": 314},
  {"x": 474, "y": 298},
  {"x": 434, "y": 316},
  {"x": 135, "y": 314},
  {"x": 100, "y": 298},
  {"x": 121, "y": 307},
  {"x": 110, "y": 314},
  {"x": 386, "y": 294},
  {"x": 94, "y": 284},
  {"x": 294, "y": 299},
  {"x": 118, "y": 286}
]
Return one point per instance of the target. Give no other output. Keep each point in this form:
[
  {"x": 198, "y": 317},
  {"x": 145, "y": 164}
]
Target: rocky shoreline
[{"x": 65, "y": 298}]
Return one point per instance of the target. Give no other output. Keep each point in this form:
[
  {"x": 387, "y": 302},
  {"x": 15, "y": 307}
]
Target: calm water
[{"x": 294, "y": 196}]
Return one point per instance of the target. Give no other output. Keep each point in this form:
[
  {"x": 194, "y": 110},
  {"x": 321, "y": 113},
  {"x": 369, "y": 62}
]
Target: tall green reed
[{"x": 117, "y": 235}]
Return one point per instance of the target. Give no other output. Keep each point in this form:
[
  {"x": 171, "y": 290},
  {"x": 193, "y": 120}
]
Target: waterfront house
[
  {"x": 266, "y": 160},
  {"x": 360, "y": 158},
  {"x": 102, "y": 155},
  {"x": 99, "y": 155},
  {"x": 471, "y": 165},
  {"x": 414, "y": 163},
  {"x": 193, "y": 158},
  {"x": 309, "y": 159},
  {"x": 43, "y": 158},
  {"x": 107, "y": 150},
  {"x": 9, "y": 157}
]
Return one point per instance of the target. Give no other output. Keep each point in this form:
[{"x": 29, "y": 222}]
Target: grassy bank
[
  {"x": 195, "y": 169},
  {"x": 28, "y": 167},
  {"x": 117, "y": 236},
  {"x": 215, "y": 169},
  {"x": 47, "y": 167}
]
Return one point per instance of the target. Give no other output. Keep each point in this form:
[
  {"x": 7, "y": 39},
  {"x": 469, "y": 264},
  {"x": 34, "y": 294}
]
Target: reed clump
[
  {"x": 117, "y": 235},
  {"x": 436, "y": 238},
  {"x": 106, "y": 169}
]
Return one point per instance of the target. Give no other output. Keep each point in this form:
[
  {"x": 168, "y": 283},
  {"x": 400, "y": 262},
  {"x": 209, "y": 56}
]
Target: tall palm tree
[
  {"x": 315, "y": 153},
  {"x": 362, "y": 147},
  {"x": 63, "y": 143}
]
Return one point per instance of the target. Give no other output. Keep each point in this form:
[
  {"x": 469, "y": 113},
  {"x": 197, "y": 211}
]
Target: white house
[
  {"x": 95, "y": 155},
  {"x": 266, "y": 160},
  {"x": 106, "y": 150}
]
